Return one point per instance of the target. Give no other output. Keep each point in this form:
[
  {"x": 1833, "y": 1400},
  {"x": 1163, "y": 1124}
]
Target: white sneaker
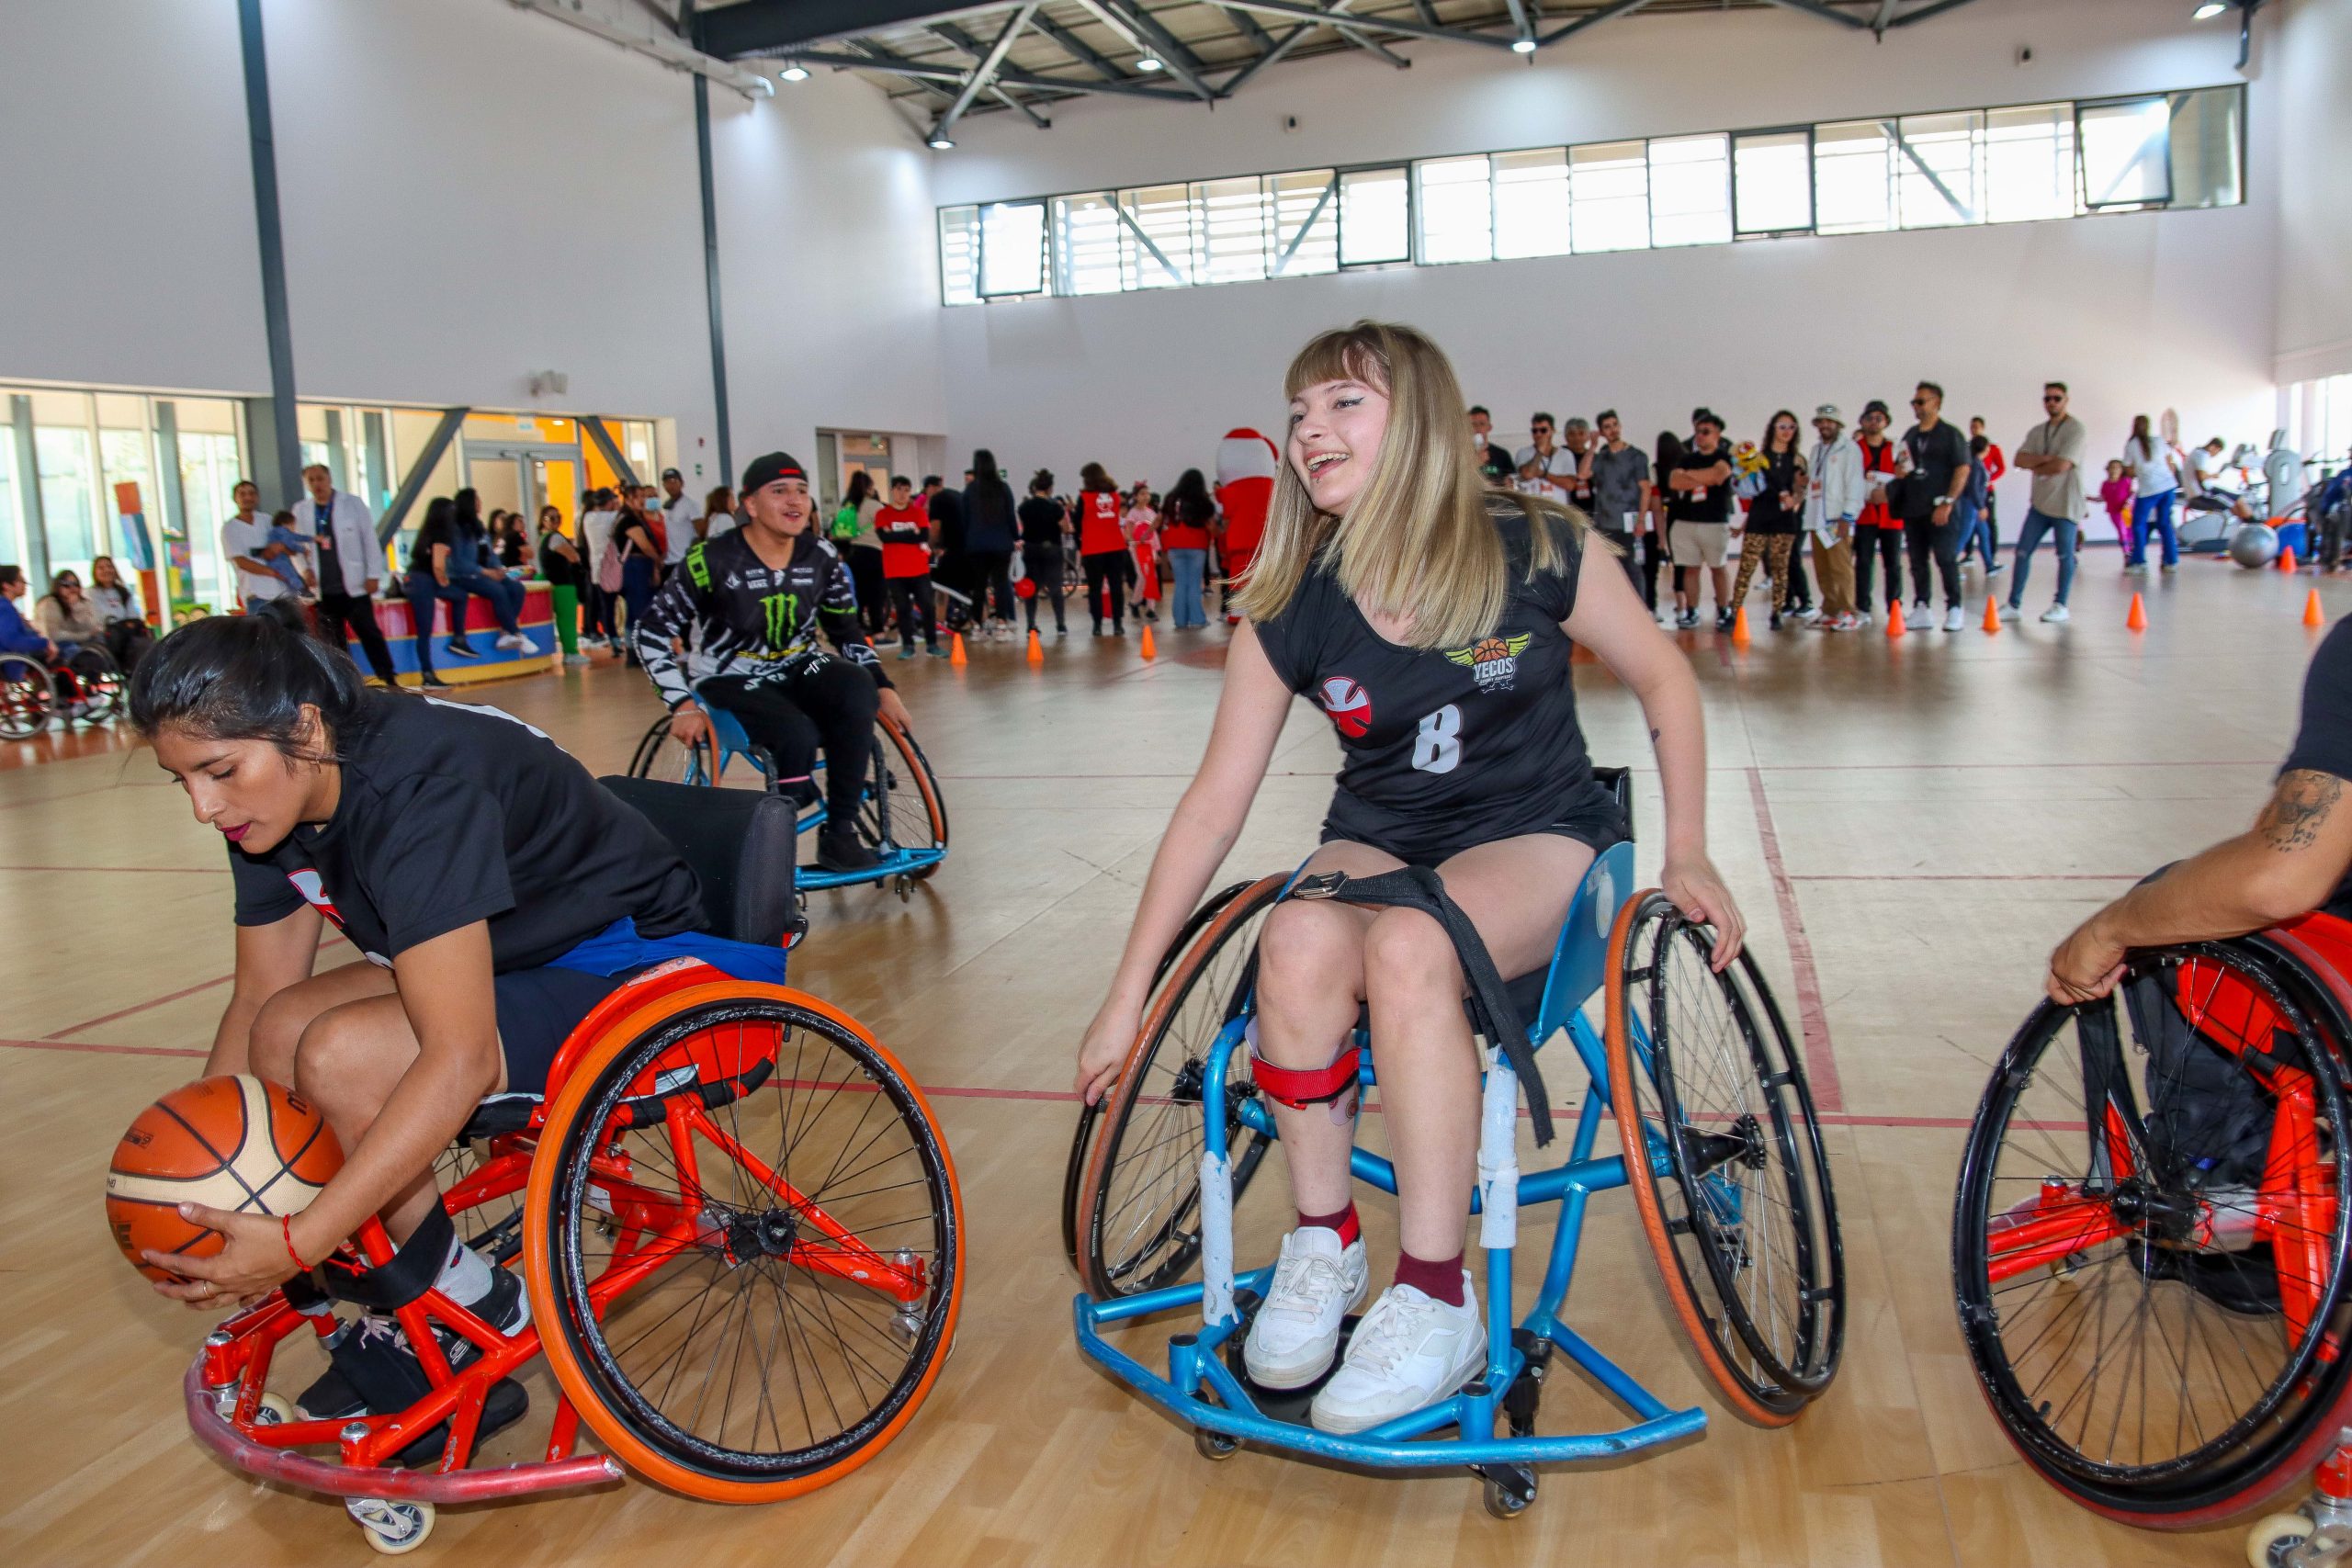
[
  {"x": 1408, "y": 1352},
  {"x": 512, "y": 640},
  {"x": 1317, "y": 1283},
  {"x": 2010, "y": 613},
  {"x": 2057, "y": 613},
  {"x": 1923, "y": 616},
  {"x": 1953, "y": 619}
]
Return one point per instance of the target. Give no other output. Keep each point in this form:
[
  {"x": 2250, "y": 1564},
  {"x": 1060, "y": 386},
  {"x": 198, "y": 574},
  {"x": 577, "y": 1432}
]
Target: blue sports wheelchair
[
  {"x": 902, "y": 817},
  {"x": 1726, "y": 1169}
]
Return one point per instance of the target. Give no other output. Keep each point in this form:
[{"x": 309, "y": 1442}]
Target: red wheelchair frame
[{"x": 230, "y": 1411}]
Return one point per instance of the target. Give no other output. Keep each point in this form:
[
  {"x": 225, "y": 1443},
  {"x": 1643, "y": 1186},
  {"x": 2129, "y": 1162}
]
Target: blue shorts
[{"x": 538, "y": 1010}]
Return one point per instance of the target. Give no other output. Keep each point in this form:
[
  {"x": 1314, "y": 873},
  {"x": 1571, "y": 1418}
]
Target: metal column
[
  {"x": 710, "y": 281},
  {"x": 287, "y": 444},
  {"x": 20, "y": 417}
]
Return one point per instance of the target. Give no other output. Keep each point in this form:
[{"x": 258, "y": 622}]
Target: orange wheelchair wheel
[
  {"x": 1724, "y": 1159},
  {"x": 743, "y": 1242}
]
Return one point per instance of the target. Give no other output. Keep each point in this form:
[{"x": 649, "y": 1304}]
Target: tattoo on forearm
[
  {"x": 1653, "y": 736},
  {"x": 2299, "y": 810}
]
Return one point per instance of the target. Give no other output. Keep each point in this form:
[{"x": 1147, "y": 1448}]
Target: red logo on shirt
[
  {"x": 314, "y": 893},
  {"x": 1349, "y": 706}
]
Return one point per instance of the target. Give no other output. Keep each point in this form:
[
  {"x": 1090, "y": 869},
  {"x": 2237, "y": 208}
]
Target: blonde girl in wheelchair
[{"x": 1434, "y": 620}]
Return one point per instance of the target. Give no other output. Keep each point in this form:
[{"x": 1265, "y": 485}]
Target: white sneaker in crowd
[
  {"x": 1922, "y": 618},
  {"x": 2057, "y": 613},
  {"x": 2010, "y": 612},
  {"x": 1409, "y": 1351},
  {"x": 1953, "y": 619},
  {"x": 1317, "y": 1283}
]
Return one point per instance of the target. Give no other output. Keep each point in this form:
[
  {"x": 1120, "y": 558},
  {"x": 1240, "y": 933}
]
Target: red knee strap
[{"x": 1299, "y": 1088}]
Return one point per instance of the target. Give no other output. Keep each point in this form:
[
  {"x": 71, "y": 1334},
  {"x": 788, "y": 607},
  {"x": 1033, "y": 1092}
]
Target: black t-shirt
[
  {"x": 1710, "y": 505},
  {"x": 2324, "y": 744},
  {"x": 330, "y": 559},
  {"x": 436, "y": 531},
  {"x": 560, "y": 571},
  {"x": 1041, "y": 526},
  {"x": 1495, "y": 465},
  {"x": 1445, "y": 746},
  {"x": 1579, "y": 492},
  {"x": 451, "y": 813},
  {"x": 1783, "y": 475},
  {"x": 1936, "y": 456}
]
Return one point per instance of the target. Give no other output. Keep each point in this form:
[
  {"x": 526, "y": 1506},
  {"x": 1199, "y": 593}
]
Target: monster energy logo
[
  {"x": 783, "y": 616},
  {"x": 698, "y": 568}
]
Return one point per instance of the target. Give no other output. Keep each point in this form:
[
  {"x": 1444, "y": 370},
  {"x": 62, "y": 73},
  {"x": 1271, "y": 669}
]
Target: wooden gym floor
[{"x": 1909, "y": 828}]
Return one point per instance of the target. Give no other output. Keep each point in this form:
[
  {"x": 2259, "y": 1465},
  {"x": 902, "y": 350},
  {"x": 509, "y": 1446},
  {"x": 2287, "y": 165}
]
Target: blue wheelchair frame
[
  {"x": 730, "y": 742},
  {"x": 1196, "y": 1368}
]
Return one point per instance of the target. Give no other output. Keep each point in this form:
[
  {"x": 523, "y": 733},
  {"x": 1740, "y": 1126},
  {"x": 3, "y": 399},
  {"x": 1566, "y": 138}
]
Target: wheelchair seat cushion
[{"x": 741, "y": 845}]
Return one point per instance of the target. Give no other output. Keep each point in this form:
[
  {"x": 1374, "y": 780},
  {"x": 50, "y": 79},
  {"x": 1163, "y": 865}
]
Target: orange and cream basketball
[{"x": 233, "y": 1144}]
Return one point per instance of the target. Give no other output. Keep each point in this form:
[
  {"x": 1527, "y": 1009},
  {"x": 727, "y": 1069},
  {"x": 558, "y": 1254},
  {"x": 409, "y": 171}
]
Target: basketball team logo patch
[
  {"x": 1494, "y": 660},
  {"x": 1349, "y": 706}
]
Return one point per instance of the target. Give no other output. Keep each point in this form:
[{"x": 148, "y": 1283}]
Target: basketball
[{"x": 234, "y": 1143}]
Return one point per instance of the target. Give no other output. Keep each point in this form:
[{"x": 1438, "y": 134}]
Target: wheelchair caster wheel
[
  {"x": 275, "y": 1411},
  {"x": 392, "y": 1528},
  {"x": 905, "y": 887},
  {"x": 1215, "y": 1445},
  {"x": 2272, "y": 1541},
  {"x": 1509, "y": 1490}
]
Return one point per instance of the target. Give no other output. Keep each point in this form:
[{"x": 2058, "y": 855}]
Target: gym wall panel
[
  {"x": 127, "y": 252},
  {"x": 2138, "y": 311},
  {"x": 2307, "y": 52}
]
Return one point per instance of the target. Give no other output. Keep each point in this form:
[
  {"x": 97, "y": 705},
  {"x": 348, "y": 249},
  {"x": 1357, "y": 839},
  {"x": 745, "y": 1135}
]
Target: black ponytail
[{"x": 248, "y": 678}]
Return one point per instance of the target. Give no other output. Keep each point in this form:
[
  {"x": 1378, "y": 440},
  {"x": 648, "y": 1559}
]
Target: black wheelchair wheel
[
  {"x": 658, "y": 757},
  {"x": 28, "y": 697},
  {"x": 1725, "y": 1162},
  {"x": 2147, "y": 1243},
  {"x": 97, "y": 686},
  {"x": 748, "y": 1277},
  {"x": 1133, "y": 1215},
  {"x": 903, "y": 808}
]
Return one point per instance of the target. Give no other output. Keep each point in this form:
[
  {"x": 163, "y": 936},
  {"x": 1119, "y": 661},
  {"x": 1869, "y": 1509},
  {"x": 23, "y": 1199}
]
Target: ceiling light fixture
[
  {"x": 2207, "y": 11},
  {"x": 1522, "y": 46},
  {"x": 794, "y": 73},
  {"x": 941, "y": 144},
  {"x": 1149, "y": 62}
]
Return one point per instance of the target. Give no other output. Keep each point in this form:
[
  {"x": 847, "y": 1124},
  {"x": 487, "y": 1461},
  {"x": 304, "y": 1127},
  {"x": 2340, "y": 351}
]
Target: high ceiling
[{"x": 947, "y": 61}]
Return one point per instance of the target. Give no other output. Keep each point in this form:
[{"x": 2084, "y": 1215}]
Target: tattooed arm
[{"x": 2285, "y": 865}]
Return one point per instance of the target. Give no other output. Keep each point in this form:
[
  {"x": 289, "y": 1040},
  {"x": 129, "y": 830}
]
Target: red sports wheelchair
[
  {"x": 735, "y": 1217},
  {"x": 2149, "y": 1242}
]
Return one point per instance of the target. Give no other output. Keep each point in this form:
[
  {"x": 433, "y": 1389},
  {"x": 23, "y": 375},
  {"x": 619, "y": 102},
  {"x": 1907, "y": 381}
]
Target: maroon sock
[
  {"x": 1441, "y": 1281},
  {"x": 1344, "y": 1221}
]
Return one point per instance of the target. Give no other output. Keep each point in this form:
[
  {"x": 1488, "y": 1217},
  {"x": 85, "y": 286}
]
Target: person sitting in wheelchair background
[
  {"x": 468, "y": 859},
  {"x": 1433, "y": 621},
  {"x": 758, "y": 595}
]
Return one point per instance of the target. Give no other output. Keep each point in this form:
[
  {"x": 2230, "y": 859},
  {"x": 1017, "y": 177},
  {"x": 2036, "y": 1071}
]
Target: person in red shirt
[
  {"x": 904, "y": 528},
  {"x": 1143, "y": 547},
  {"x": 1103, "y": 549},
  {"x": 1996, "y": 463},
  {"x": 1878, "y": 532}
]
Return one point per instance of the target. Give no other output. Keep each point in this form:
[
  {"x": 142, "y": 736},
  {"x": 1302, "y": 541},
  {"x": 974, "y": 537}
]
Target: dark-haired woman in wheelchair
[
  {"x": 1433, "y": 621},
  {"x": 468, "y": 860},
  {"x": 757, "y": 596},
  {"x": 2295, "y": 860}
]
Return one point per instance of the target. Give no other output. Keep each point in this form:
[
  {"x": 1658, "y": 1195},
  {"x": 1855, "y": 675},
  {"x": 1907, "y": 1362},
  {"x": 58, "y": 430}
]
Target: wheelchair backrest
[
  {"x": 739, "y": 843},
  {"x": 1579, "y": 962},
  {"x": 729, "y": 731}
]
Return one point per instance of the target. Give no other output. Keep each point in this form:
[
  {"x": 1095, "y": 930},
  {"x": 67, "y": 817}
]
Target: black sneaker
[
  {"x": 371, "y": 1367},
  {"x": 461, "y": 647},
  {"x": 2245, "y": 1283},
  {"x": 435, "y": 683},
  {"x": 840, "y": 850},
  {"x": 1722, "y": 620}
]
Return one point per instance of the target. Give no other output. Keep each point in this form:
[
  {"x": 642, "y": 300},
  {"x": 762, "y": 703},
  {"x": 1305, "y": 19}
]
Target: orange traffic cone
[
  {"x": 1739, "y": 625},
  {"x": 1036, "y": 649},
  {"x": 2137, "y": 619},
  {"x": 2313, "y": 615},
  {"x": 2287, "y": 560},
  {"x": 957, "y": 658},
  {"x": 1147, "y": 650},
  {"x": 1894, "y": 618},
  {"x": 1992, "y": 613}
]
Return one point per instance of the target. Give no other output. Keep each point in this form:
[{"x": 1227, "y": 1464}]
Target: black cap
[
  {"x": 674, "y": 474},
  {"x": 766, "y": 471},
  {"x": 1877, "y": 406},
  {"x": 1705, "y": 416}
]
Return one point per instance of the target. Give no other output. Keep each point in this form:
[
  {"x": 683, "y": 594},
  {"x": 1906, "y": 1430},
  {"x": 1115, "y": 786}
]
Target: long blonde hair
[{"x": 1421, "y": 542}]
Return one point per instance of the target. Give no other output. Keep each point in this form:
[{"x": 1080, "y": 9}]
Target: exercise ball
[{"x": 2255, "y": 545}]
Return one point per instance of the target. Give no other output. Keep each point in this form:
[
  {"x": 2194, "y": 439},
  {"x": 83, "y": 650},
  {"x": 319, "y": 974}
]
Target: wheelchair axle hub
[
  {"x": 761, "y": 1233},
  {"x": 1744, "y": 1144},
  {"x": 2165, "y": 1217}
]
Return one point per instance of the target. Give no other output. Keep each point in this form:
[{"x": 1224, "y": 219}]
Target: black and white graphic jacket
[{"x": 755, "y": 621}]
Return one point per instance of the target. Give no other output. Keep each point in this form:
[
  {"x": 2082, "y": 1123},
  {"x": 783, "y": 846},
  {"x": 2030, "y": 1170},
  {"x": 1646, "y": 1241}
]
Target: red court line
[
  {"x": 1813, "y": 1018},
  {"x": 134, "y": 870},
  {"x": 105, "y": 1050},
  {"x": 1970, "y": 876},
  {"x": 142, "y": 1006}
]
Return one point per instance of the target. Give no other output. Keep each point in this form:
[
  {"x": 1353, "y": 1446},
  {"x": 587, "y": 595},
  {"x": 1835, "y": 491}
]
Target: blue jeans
[
  {"x": 2029, "y": 537},
  {"x": 2154, "y": 511},
  {"x": 1189, "y": 567},
  {"x": 637, "y": 592},
  {"x": 504, "y": 594},
  {"x": 422, "y": 593},
  {"x": 1969, "y": 518}
]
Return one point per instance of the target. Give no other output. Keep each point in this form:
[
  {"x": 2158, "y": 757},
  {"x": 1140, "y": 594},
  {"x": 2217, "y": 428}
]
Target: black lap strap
[{"x": 1418, "y": 887}]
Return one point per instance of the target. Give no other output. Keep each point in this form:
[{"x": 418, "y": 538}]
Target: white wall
[
  {"x": 2138, "y": 313},
  {"x": 126, "y": 251},
  {"x": 2306, "y": 49}
]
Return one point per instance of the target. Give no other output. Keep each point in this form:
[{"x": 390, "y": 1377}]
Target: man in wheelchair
[
  {"x": 2295, "y": 860},
  {"x": 494, "y": 894},
  {"x": 757, "y": 594}
]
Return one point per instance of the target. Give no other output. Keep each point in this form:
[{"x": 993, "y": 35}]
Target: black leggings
[
  {"x": 1044, "y": 571},
  {"x": 865, "y": 572},
  {"x": 1654, "y": 555},
  {"x": 820, "y": 700},
  {"x": 1939, "y": 543},
  {"x": 1106, "y": 574},
  {"x": 911, "y": 597},
  {"x": 1869, "y": 545},
  {"x": 992, "y": 583}
]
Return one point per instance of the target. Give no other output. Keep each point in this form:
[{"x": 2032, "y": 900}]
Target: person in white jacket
[
  {"x": 351, "y": 565},
  {"x": 1832, "y": 501}
]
